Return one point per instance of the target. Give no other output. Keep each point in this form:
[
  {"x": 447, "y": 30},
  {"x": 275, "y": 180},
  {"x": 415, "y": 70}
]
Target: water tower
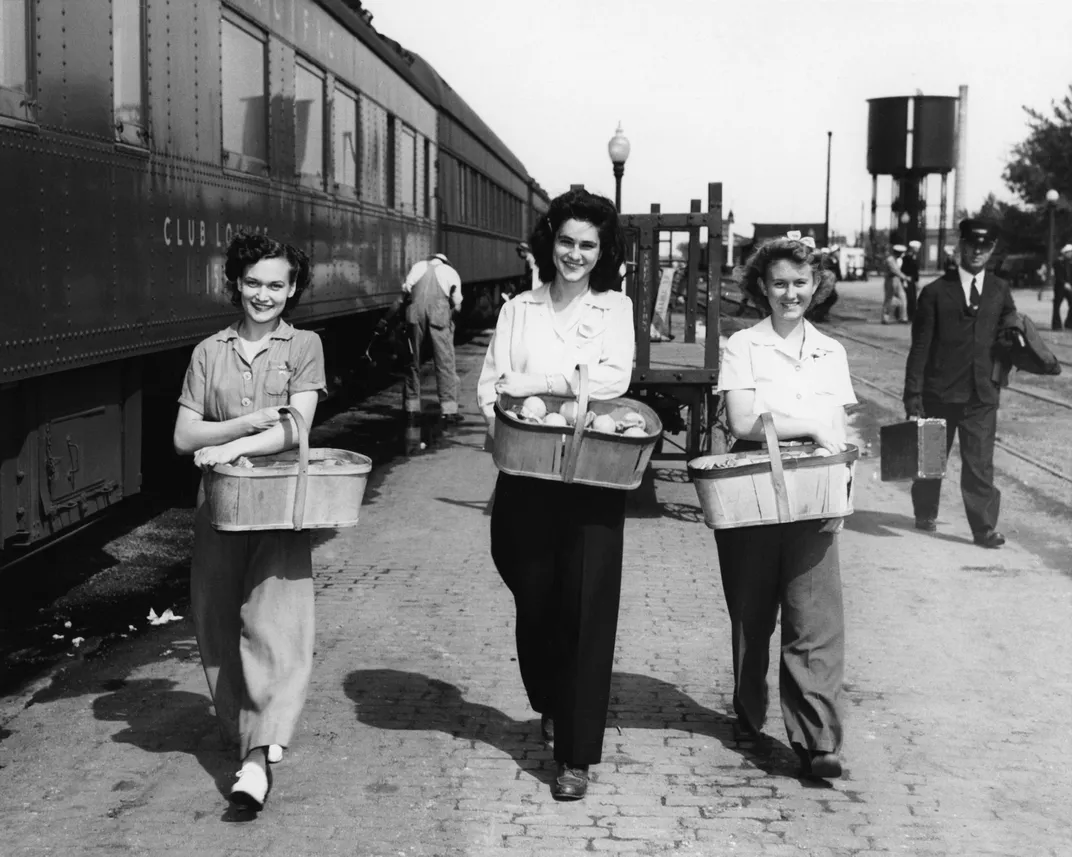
[{"x": 910, "y": 138}]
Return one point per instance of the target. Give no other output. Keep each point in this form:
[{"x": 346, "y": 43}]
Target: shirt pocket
[
  {"x": 277, "y": 382},
  {"x": 591, "y": 328},
  {"x": 768, "y": 367}
]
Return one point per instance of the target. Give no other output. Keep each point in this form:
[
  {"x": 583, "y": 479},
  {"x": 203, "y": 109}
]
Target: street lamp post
[
  {"x": 618, "y": 149},
  {"x": 1051, "y": 204}
]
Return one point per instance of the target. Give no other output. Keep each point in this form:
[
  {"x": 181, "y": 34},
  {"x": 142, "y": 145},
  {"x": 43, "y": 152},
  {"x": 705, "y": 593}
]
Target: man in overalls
[{"x": 435, "y": 294}]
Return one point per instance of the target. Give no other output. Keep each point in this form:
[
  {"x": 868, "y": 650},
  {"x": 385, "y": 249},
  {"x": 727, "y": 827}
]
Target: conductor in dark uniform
[{"x": 949, "y": 374}]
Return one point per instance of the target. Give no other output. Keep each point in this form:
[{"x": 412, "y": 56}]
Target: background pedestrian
[
  {"x": 784, "y": 366},
  {"x": 558, "y": 546},
  {"x": 894, "y": 286},
  {"x": 252, "y": 592},
  {"x": 433, "y": 297},
  {"x": 949, "y": 375},
  {"x": 1062, "y": 287},
  {"x": 910, "y": 268}
]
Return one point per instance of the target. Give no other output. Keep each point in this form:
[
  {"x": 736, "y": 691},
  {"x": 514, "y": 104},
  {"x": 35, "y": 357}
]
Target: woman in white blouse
[
  {"x": 558, "y": 547},
  {"x": 784, "y": 366}
]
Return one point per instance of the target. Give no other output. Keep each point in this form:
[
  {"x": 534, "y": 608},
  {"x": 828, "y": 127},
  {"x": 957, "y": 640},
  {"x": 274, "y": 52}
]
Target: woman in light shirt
[
  {"x": 557, "y": 546},
  {"x": 784, "y": 366}
]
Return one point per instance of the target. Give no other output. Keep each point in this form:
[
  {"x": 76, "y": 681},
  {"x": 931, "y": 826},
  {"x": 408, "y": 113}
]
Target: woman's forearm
[
  {"x": 784, "y": 427},
  {"x": 275, "y": 439},
  {"x": 197, "y": 434}
]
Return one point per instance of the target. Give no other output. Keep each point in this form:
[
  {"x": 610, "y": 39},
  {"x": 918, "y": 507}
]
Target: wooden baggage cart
[
  {"x": 781, "y": 484},
  {"x": 296, "y": 489},
  {"x": 574, "y": 454}
]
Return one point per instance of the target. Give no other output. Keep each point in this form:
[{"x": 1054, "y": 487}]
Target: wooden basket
[
  {"x": 574, "y": 454},
  {"x": 777, "y": 491},
  {"x": 291, "y": 490}
]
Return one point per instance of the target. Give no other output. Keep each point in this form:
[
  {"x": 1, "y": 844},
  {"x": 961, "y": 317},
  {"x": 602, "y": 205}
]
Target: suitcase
[{"x": 914, "y": 449}]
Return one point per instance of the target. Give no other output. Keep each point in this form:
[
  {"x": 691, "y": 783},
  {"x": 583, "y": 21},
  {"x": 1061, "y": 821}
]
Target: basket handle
[
  {"x": 303, "y": 463},
  {"x": 781, "y": 495},
  {"x": 578, "y": 425}
]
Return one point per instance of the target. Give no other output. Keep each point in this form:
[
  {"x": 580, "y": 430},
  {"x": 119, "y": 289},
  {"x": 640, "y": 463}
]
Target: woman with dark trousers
[
  {"x": 557, "y": 546},
  {"x": 784, "y": 366},
  {"x": 251, "y": 593}
]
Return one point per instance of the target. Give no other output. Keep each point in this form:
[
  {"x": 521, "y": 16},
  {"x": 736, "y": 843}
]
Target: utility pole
[{"x": 826, "y": 218}]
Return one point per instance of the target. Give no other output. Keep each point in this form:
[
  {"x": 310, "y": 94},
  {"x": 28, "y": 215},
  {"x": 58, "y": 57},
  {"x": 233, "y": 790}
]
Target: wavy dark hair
[
  {"x": 579, "y": 204},
  {"x": 791, "y": 250},
  {"x": 248, "y": 248}
]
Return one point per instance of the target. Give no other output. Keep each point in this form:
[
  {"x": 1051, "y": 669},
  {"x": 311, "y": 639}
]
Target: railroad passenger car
[{"x": 138, "y": 136}]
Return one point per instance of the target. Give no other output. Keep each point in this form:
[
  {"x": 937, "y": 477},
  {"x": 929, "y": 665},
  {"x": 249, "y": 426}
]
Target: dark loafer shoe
[
  {"x": 571, "y": 782},
  {"x": 926, "y": 524},
  {"x": 547, "y": 728},
  {"x": 989, "y": 539},
  {"x": 817, "y": 764}
]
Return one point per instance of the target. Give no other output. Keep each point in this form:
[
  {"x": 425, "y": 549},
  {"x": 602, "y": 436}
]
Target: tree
[{"x": 1042, "y": 162}]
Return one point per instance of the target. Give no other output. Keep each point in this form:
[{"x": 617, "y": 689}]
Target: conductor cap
[
  {"x": 976, "y": 231},
  {"x": 899, "y": 248},
  {"x": 915, "y": 245},
  {"x": 442, "y": 257},
  {"x": 1067, "y": 248}
]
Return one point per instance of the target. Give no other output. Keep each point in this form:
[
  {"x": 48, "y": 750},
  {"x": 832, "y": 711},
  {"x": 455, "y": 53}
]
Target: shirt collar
[
  {"x": 542, "y": 295},
  {"x": 966, "y": 278},
  {"x": 816, "y": 343},
  {"x": 282, "y": 331}
]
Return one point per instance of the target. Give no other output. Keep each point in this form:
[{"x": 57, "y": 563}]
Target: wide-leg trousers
[
  {"x": 252, "y": 599},
  {"x": 976, "y": 424},
  {"x": 442, "y": 357},
  {"x": 558, "y": 548},
  {"x": 793, "y": 567}
]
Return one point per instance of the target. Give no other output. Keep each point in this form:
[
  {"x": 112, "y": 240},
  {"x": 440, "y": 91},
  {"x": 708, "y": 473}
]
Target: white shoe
[
  {"x": 275, "y": 753},
  {"x": 252, "y": 787}
]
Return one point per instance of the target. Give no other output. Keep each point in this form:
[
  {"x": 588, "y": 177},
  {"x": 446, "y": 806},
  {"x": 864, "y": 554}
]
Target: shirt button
[
  {"x": 246, "y": 402},
  {"x": 798, "y": 395},
  {"x": 247, "y": 375},
  {"x": 798, "y": 368}
]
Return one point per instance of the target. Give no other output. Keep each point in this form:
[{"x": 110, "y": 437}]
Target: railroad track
[{"x": 893, "y": 394}]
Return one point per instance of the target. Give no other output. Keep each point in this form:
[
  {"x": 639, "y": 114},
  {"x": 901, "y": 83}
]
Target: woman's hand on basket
[
  {"x": 520, "y": 384},
  {"x": 830, "y": 439},
  {"x": 262, "y": 420},
  {"x": 209, "y": 456}
]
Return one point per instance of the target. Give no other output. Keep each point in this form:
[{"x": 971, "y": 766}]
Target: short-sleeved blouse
[
  {"x": 812, "y": 384},
  {"x": 529, "y": 338},
  {"x": 221, "y": 384}
]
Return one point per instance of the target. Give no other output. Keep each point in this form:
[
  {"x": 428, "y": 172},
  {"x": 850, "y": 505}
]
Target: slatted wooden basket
[
  {"x": 574, "y": 454},
  {"x": 736, "y": 491},
  {"x": 296, "y": 489}
]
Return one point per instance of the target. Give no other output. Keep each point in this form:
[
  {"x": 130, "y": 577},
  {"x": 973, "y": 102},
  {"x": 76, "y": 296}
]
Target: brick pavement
[{"x": 417, "y": 739}]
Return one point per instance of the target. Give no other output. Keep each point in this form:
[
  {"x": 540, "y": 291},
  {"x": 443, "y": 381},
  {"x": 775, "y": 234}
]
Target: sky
[{"x": 742, "y": 92}]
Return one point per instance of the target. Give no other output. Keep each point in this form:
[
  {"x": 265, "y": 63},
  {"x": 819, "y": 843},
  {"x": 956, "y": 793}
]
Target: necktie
[{"x": 974, "y": 300}]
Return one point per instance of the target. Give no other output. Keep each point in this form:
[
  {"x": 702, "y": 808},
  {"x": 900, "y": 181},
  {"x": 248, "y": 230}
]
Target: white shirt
[
  {"x": 814, "y": 386},
  {"x": 966, "y": 281},
  {"x": 530, "y": 339},
  {"x": 446, "y": 276}
]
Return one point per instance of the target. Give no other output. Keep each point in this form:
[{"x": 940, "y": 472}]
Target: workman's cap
[
  {"x": 975, "y": 230},
  {"x": 899, "y": 248},
  {"x": 442, "y": 257},
  {"x": 915, "y": 245},
  {"x": 1067, "y": 248}
]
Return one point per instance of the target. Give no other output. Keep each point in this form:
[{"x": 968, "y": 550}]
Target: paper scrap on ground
[{"x": 163, "y": 618}]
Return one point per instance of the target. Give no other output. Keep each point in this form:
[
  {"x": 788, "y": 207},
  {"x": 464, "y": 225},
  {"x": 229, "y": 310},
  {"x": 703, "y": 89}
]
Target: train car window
[
  {"x": 309, "y": 123},
  {"x": 428, "y": 167},
  {"x": 16, "y": 84},
  {"x": 374, "y": 146},
  {"x": 128, "y": 62},
  {"x": 406, "y": 200},
  {"x": 346, "y": 139},
  {"x": 244, "y": 99},
  {"x": 391, "y": 164}
]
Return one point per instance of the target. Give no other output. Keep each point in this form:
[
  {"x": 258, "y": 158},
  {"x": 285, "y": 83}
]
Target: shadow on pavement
[
  {"x": 873, "y": 523},
  {"x": 161, "y": 719},
  {"x": 393, "y": 699}
]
